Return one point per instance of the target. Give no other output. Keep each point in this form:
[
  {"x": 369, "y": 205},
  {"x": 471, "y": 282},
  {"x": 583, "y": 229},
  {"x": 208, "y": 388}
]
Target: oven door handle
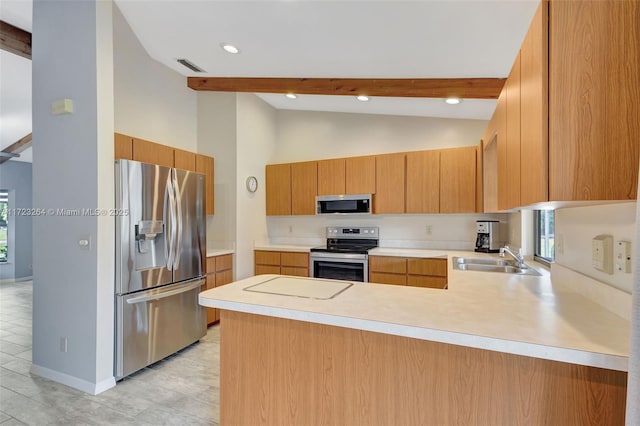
[{"x": 337, "y": 256}]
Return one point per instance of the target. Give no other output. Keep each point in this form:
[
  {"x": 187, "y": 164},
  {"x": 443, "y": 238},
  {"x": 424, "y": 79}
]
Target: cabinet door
[
  {"x": 304, "y": 188},
  {"x": 267, "y": 269},
  {"x": 212, "y": 313},
  {"x": 153, "y": 153},
  {"x": 224, "y": 277},
  {"x": 360, "y": 175},
  {"x": 384, "y": 278},
  {"x": 331, "y": 177},
  {"x": 511, "y": 197},
  {"x": 205, "y": 165},
  {"x": 479, "y": 188},
  {"x": 184, "y": 160},
  {"x": 265, "y": 257},
  {"x": 388, "y": 264},
  {"x": 426, "y": 281},
  {"x": 390, "y": 183},
  {"x": 490, "y": 175},
  {"x": 423, "y": 182},
  {"x": 534, "y": 119},
  {"x": 123, "y": 147},
  {"x": 427, "y": 266},
  {"x": 594, "y": 113},
  {"x": 458, "y": 180},
  {"x": 296, "y": 272},
  {"x": 278, "y": 189}
]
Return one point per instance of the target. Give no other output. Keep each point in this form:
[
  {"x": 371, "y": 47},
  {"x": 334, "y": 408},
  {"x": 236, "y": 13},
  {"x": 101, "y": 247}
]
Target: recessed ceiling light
[
  {"x": 363, "y": 98},
  {"x": 453, "y": 101},
  {"x": 230, "y": 48},
  {"x": 291, "y": 96}
]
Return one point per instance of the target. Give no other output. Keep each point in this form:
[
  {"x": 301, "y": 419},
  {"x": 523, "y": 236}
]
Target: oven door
[{"x": 348, "y": 267}]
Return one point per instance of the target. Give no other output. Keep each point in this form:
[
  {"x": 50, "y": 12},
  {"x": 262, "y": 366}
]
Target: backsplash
[{"x": 447, "y": 231}]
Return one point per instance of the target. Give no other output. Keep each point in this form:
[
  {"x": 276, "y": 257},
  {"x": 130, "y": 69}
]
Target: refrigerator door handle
[
  {"x": 168, "y": 293},
  {"x": 178, "y": 203},
  {"x": 170, "y": 201}
]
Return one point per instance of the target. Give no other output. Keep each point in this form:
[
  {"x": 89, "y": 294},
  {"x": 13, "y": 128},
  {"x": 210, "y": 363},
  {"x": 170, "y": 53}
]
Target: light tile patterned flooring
[{"x": 180, "y": 390}]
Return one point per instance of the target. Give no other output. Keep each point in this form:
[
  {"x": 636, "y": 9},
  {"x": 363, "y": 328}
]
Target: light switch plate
[
  {"x": 623, "y": 256},
  {"x": 602, "y": 253}
]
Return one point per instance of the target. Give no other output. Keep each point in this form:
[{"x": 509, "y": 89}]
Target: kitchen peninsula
[{"x": 492, "y": 349}]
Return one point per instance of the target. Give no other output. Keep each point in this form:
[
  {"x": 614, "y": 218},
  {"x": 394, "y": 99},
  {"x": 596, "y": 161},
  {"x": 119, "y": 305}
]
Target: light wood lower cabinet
[
  {"x": 415, "y": 272},
  {"x": 285, "y": 263},
  {"x": 277, "y": 371},
  {"x": 219, "y": 273}
]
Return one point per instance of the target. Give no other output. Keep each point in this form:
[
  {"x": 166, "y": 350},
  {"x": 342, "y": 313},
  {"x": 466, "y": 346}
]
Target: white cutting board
[{"x": 301, "y": 287}]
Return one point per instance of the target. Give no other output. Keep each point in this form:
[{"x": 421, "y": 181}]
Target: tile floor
[{"x": 180, "y": 390}]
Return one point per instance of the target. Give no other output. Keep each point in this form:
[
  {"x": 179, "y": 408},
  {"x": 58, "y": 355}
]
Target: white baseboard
[
  {"x": 74, "y": 382},
  {"x": 609, "y": 297},
  {"x": 16, "y": 280}
]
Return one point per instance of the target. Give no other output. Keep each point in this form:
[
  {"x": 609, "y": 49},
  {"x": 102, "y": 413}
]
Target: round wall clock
[{"x": 252, "y": 184}]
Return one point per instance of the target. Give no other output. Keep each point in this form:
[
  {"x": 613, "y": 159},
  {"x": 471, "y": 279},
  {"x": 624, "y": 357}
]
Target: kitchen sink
[{"x": 491, "y": 265}]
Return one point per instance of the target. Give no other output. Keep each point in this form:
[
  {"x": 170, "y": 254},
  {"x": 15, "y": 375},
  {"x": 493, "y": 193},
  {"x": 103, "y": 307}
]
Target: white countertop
[
  {"x": 219, "y": 252},
  {"x": 523, "y": 315},
  {"x": 283, "y": 247}
]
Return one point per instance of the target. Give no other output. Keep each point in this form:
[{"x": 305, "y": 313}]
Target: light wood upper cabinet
[
  {"x": 360, "y": 175},
  {"x": 423, "y": 182},
  {"x": 123, "y": 147},
  {"x": 151, "y": 152},
  {"x": 390, "y": 184},
  {"x": 304, "y": 187},
  {"x": 458, "y": 180},
  {"x": 278, "y": 189},
  {"x": 510, "y": 180},
  {"x": 184, "y": 160},
  {"x": 534, "y": 120},
  {"x": 205, "y": 165},
  {"x": 331, "y": 177},
  {"x": 594, "y": 112}
]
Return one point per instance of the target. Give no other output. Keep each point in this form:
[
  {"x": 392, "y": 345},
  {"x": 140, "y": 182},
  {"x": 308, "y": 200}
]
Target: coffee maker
[{"x": 488, "y": 236}]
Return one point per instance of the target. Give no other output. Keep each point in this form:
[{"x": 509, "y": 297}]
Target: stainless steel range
[{"x": 346, "y": 255}]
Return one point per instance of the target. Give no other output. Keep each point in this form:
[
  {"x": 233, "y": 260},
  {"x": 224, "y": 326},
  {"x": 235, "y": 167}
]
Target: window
[
  {"x": 543, "y": 232},
  {"x": 4, "y": 213}
]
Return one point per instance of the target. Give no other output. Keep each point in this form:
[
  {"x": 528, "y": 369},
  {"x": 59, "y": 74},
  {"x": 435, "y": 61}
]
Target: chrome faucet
[{"x": 518, "y": 257}]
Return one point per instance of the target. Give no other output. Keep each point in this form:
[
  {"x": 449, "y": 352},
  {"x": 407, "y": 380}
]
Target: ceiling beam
[
  {"x": 470, "y": 88},
  {"x": 17, "y": 147},
  {"x": 15, "y": 40}
]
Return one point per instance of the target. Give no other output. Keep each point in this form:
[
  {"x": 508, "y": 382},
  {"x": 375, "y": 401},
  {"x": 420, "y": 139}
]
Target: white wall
[
  {"x": 73, "y": 168},
  {"x": 151, "y": 101},
  {"x": 304, "y": 135},
  {"x": 256, "y": 144},
  {"x": 575, "y": 227},
  {"x": 217, "y": 138}
]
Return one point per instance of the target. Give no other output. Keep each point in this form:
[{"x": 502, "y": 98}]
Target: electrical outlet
[
  {"x": 428, "y": 229},
  {"x": 63, "y": 344},
  {"x": 602, "y": 253}
]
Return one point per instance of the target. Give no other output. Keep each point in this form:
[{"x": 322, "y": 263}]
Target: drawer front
[
  {"x": 300, "y": 260},
  {"x": 427, "y": 281},
  {"x": 224, "y": 262},
  {"x": 267, "y": 269},
  {"x": 388, "y": 264},
  {"x": 267, "y": 257},
  {"x": 435, "y": 267},
  {"x": 295, "y": 271},
  {"x": 383, "y": 278}
]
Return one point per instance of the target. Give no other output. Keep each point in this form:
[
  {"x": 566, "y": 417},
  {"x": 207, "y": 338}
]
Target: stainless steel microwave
[{"x": 343, "y": 204}]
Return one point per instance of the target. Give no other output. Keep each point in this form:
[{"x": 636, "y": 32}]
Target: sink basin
[{"x": 491, "y": 265}]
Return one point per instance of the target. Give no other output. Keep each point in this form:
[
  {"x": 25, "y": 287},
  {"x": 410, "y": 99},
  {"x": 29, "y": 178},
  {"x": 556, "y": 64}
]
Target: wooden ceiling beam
[
  {"x": 17, "y": 147},
  {"x": 469, "y": 88},
  {"x": 15, "y": 40}
]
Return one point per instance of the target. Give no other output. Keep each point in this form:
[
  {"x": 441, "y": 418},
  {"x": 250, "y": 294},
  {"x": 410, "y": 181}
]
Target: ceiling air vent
[{"x": 190, "y": 65}]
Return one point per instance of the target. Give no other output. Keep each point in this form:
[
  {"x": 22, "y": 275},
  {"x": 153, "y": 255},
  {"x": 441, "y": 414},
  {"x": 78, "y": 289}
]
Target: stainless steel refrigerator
[{"x": 160, "y": 258}]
